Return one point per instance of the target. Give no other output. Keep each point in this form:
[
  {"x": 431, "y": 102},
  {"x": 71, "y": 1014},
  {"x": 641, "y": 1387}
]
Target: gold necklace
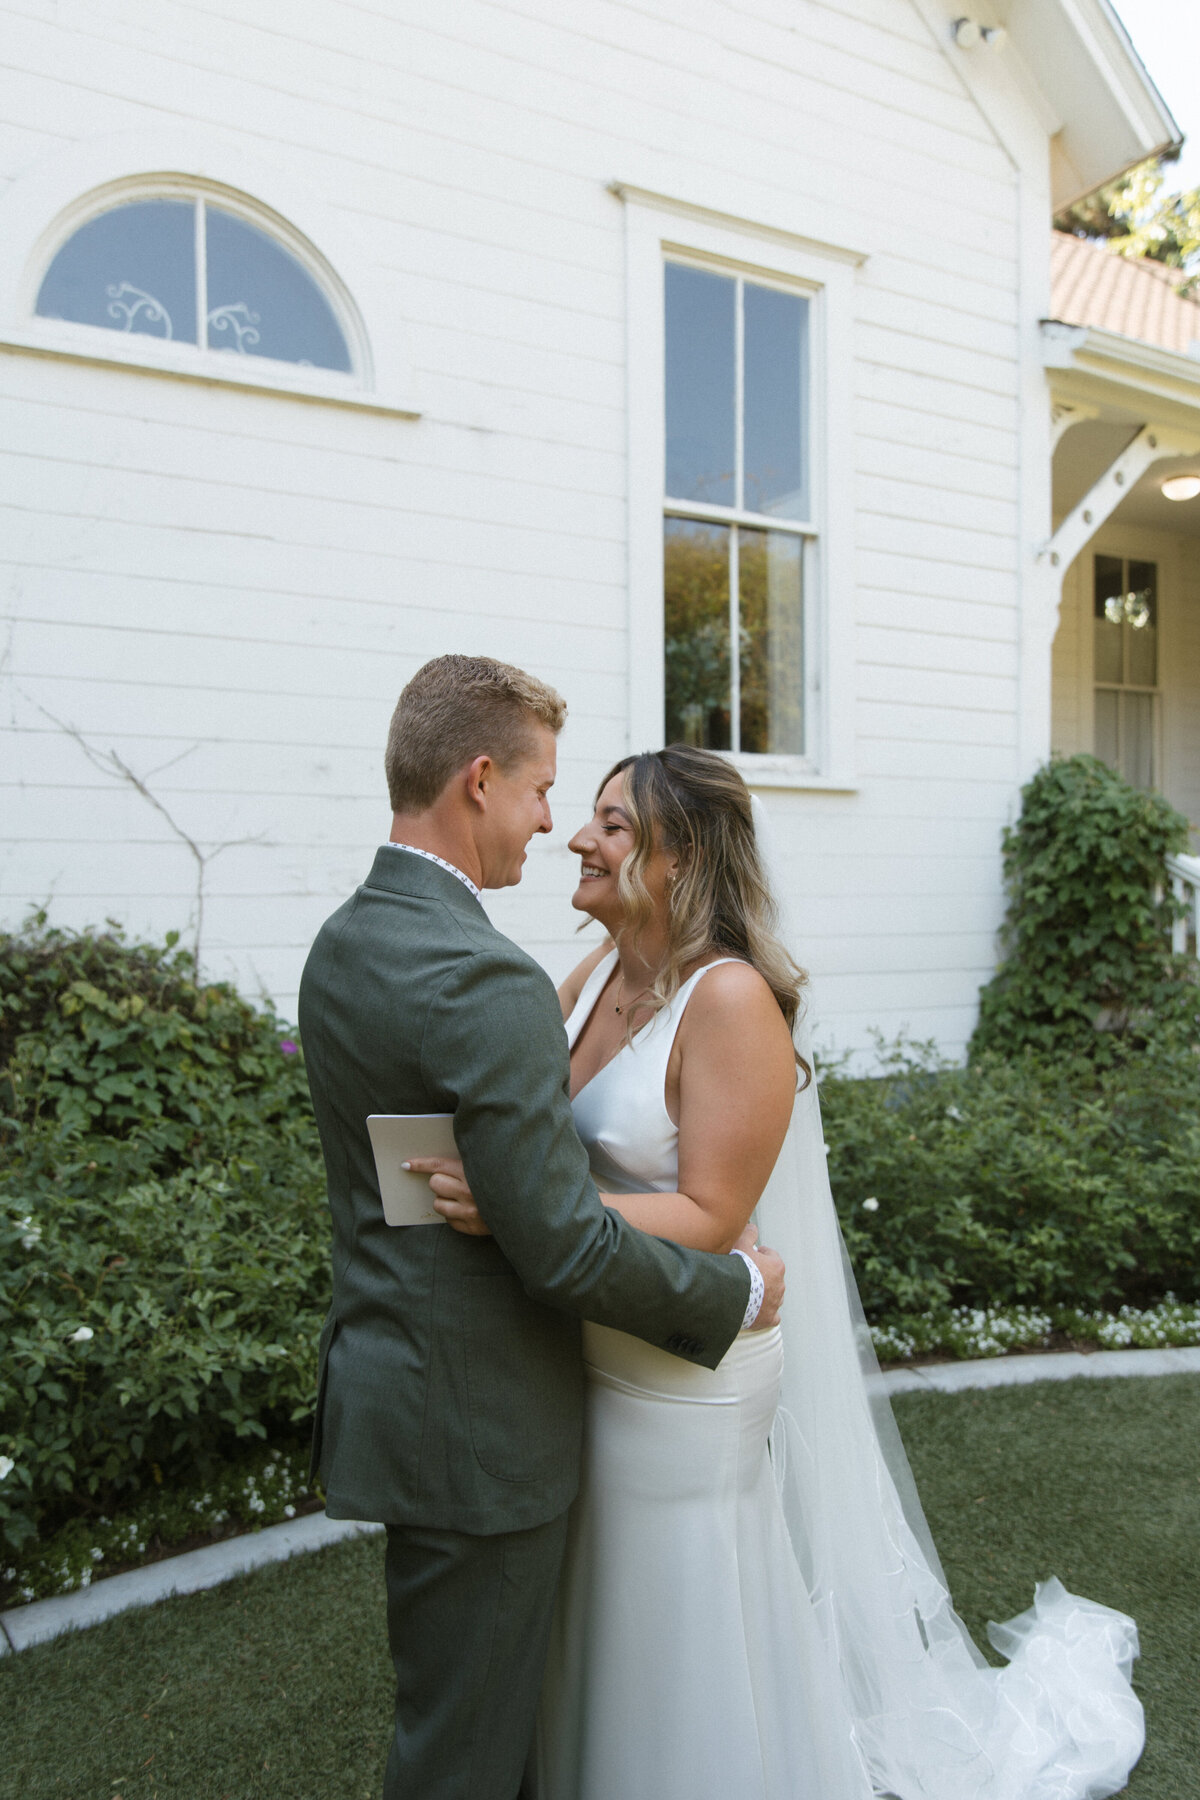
[{"x": 621, "y": 990}]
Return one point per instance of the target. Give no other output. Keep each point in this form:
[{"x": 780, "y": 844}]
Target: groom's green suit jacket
[{"x": 451, "y": 1382}]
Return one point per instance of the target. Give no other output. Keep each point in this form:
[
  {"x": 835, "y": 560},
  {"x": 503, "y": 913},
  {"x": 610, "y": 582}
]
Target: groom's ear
[{"x": 477, "y": 779}]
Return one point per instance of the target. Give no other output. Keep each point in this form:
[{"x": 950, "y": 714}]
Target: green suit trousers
[{"x": 468, "y": 1625}]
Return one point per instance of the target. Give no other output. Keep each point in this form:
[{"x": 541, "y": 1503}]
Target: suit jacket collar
[{"x": 398, "y": 873}]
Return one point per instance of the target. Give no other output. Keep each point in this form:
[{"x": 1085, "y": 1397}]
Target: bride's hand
[{"x": 452, "y": 1197}]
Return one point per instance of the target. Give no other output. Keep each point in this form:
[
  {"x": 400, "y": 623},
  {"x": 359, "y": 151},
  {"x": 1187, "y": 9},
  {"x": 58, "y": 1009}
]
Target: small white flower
[
  {"x": 870, "y": 1204},
  {"x": 82, "y": 1334},
  {"x": 952, "y": 1112},
  {"x": 289, "y": 1512},
  {"x": 7, "y": 1465}
]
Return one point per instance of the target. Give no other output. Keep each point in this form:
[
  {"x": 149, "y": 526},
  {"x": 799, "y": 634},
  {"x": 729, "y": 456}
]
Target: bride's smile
[{"x": 602, "y": 846}]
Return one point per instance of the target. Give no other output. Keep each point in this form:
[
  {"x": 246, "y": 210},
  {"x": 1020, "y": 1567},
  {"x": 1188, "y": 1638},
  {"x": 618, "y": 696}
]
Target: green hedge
[
  {"x": 163, "y": 1233},
  {"x": 164, "y": 1236},
  {"x": 1051, "y": 1182}
]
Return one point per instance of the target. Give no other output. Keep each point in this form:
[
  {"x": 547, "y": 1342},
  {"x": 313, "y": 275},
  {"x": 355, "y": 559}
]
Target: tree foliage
[{"x": 1139, "y": 215}]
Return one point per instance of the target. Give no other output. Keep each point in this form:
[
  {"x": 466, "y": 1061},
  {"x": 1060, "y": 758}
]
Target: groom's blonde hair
[{"x": 455, "y": 709}]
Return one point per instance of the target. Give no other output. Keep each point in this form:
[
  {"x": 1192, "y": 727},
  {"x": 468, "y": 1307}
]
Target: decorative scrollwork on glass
[
  {"x": 240, "y": 320},
  {"x": 121, "y": 308}
]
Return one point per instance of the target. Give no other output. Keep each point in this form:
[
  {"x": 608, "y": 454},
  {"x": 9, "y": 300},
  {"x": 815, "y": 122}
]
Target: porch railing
[{"x": 1184, "y": 872}]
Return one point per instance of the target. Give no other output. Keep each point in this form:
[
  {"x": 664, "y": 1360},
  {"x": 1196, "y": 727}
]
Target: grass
[{"x": 277, "y": 1686}]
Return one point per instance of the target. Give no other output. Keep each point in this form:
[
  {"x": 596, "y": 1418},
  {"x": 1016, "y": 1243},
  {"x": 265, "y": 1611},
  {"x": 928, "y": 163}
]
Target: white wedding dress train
[{"x": 751, "y": 1607}]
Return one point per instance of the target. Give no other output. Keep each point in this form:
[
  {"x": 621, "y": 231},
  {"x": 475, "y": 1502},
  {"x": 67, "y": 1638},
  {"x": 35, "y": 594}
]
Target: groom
[{"x": 451, "y": 1384}]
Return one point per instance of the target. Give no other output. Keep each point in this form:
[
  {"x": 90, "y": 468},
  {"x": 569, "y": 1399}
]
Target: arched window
[{"x": 186, "y": 267}]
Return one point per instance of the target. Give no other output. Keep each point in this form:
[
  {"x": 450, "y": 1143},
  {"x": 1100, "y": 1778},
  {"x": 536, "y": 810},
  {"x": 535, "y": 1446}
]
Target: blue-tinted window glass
[
  {"x": 133, "y": 269},
  {"x": 773, "y": 402},
  {"x": 700, "y": 362},
  {"x": 262, "y": 302}
]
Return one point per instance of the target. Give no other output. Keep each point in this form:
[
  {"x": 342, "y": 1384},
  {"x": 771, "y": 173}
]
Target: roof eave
[
  {"x": 1111, "y": 114},
  {"x": 1121, "y": 371}
]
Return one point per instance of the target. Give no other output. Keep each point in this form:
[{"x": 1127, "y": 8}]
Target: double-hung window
[
  {"x": 737, "y": 513},
  {"x": 1125, "y": 667}
]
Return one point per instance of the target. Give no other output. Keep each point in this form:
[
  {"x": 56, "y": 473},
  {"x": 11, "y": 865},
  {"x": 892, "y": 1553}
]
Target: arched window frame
[{"x": 43, "y": 208}]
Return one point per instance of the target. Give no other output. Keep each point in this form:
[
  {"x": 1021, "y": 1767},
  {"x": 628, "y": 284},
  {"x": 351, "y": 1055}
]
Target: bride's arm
[{"x": 737, "y": 1083}]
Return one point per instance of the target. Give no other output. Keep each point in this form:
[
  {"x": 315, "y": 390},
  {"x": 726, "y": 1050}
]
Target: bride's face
[{"x": 602, "y": 846}]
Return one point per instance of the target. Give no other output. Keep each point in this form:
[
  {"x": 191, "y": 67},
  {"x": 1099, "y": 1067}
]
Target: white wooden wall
[{"x": 230, "y": 589}]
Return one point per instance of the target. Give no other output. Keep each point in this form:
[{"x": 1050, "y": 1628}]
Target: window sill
[
  {"x": 181, "y": 362},
  {"x": 786, "y": 772}
]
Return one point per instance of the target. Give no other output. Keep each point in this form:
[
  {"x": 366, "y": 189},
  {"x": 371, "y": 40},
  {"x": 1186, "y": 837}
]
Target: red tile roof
[{"x": 1090, "y": 285}]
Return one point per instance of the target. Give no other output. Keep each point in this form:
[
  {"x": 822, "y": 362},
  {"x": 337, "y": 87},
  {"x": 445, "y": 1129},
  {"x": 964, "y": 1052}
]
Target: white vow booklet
[{"x": 395, "y": 1137}]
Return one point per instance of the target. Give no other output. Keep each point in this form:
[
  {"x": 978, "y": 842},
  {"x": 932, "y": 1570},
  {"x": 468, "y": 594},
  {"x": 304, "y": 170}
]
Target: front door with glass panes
[
  {"x": 736, "y": 512},
  {"x": 1125, "y": 667}
]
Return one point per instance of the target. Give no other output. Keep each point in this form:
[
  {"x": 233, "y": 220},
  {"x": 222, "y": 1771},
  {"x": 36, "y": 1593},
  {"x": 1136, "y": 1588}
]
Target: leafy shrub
[
  {"x": 1027, "y": 1181},
  {"x": 163, "y": 1235},
  {"x": 1088, "y": 960},
  {"x": 102, "y": 1039},
  {"x": 265, "y": 1487}
]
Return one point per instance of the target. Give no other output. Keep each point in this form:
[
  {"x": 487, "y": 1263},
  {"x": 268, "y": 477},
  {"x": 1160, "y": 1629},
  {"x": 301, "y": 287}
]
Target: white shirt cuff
[{"x": 757, "y": 1290}]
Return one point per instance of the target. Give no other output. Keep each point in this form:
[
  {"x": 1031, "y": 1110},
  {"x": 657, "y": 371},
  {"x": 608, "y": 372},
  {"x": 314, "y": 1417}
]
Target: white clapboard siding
[{"x": 227, "y": 590}]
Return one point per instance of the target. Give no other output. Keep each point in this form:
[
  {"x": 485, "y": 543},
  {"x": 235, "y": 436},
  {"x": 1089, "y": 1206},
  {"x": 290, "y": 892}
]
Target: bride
[{"x": 751, "y": 1606}]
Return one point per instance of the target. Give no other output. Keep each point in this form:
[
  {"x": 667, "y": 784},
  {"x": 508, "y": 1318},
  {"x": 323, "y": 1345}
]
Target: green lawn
[{"x": 276, "y": 1686}]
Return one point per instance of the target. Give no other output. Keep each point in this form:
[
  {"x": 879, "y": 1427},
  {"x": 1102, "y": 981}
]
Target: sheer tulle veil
[{"x": 932, "y": 1720}]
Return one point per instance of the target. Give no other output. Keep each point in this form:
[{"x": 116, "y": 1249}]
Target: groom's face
[{"x": 518, "y": 807}]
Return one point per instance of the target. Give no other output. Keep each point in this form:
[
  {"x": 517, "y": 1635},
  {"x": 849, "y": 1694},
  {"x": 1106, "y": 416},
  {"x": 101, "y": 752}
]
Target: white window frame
[
  {"x": 46, "y": 206},
  {"x": 658, "y": 230}
]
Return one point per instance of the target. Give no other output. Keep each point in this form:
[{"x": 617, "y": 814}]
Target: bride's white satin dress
[
  {"x": 688, "y": 1659},
  {"x": 685, "y": 1661}
]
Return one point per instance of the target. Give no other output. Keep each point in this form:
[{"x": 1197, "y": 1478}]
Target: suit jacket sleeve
[{"x": 495, "y": 1049}]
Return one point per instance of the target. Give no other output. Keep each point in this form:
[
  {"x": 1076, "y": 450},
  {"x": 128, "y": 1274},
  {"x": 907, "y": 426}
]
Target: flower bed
[{"x": 266, "y": 1488}]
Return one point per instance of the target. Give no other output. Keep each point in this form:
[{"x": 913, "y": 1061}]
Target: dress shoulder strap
[
  {"x": 663, "y": 1039},
  {"x": 589, "y": 993}
]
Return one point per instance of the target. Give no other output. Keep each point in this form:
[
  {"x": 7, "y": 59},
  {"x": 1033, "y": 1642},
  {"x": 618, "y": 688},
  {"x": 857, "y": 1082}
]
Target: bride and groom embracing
[{"x": 650, "y": 1536}]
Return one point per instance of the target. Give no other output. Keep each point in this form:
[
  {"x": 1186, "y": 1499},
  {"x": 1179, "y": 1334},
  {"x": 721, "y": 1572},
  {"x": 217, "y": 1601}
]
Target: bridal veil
[{"x": 932, "y": 1720}]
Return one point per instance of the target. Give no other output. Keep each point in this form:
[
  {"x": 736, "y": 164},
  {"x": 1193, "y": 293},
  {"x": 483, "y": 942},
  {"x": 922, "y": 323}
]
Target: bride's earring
[{"x": 672, "y": 878}]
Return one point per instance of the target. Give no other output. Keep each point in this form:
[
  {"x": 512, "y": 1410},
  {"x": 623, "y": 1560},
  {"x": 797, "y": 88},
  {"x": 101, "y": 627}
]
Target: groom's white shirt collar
[{"x": 442, "y": 864}]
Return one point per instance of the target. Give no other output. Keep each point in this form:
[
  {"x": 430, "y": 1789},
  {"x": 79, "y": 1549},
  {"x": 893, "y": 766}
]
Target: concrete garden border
[{"x": 43, "y": 1620}]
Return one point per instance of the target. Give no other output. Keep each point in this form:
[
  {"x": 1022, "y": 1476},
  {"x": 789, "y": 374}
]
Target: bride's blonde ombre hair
[{"x": 694, "y": 804}]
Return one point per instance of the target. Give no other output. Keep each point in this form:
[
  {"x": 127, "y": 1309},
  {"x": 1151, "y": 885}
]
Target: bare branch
[{"x": 110, "y": 763}]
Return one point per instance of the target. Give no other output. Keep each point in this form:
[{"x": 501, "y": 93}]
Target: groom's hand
[
  {"x": 451, "y": 1195},
  {"x": 771, "y": 1268}
]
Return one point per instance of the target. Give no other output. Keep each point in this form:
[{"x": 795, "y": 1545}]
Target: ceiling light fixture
[{"x": 1181, "y": 487}]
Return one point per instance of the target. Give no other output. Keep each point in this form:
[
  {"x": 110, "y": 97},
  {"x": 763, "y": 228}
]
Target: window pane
[
  {"x": 774, "y": 356},
  {"x": 1141, "y": 625},
  {"x": 696, "y": 597},
  {"x": 1109, "y": 620},
  {"x": 700, "y": 320},
  {"x": 262, "y": 302},
  {"x": 1107, "y": 742},
  {"x": 132, "y": 269},
  {"x": 1137, "y": 739},
  {"x": 771, "y": 644}
]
